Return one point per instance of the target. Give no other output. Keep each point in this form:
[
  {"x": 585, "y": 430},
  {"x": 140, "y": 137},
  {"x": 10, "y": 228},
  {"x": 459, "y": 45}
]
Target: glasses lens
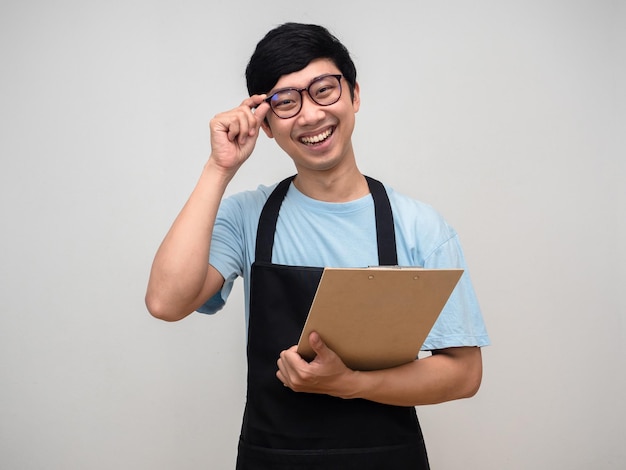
[
  {"x": 286, "y": 103},
  {"x": 325, "y": 90}
]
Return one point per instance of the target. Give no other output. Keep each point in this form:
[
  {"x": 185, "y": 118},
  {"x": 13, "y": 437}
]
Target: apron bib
[{"x": 283, "y": 429}]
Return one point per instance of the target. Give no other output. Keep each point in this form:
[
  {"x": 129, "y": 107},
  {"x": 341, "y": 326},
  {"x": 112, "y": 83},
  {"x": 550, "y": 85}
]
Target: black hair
[{"x": 291, "y": 47}]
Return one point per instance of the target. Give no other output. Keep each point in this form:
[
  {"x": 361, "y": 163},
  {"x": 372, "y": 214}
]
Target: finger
[
  {"x": 241, "y": 122},
  {"x": 254, "y": 100},
  {"x": 244, "y": 120},
  {"x": 233, "y": 130},
  {"x": 280, "y": 376},
  {"x": 283, "y": 362},
  {"x": 228, "y": 123},
  {"x": 260, "y": 112},
  {"x": 252, "y": 120},
  {"x": 290, "y": 361},
  {"x": 318, "y": 346},
  {"x": 284, "y": 368}
]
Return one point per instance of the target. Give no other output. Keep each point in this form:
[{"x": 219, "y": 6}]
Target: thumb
[
  {"x": 261, "y": 111},
  {"x": 318, "y": 346}
]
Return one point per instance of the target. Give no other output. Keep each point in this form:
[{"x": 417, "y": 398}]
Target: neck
[{"x": 332, "y": 186}]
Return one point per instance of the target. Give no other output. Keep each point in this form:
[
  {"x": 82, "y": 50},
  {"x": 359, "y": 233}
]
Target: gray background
[{"x": 507, "y": 116}]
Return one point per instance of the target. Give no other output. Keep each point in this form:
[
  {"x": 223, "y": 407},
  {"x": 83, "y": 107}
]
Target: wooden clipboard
[{"x": 378, "y": 317}]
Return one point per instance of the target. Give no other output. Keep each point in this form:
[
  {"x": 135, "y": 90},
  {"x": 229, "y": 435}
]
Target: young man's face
[{"x": 318, "y": 138}]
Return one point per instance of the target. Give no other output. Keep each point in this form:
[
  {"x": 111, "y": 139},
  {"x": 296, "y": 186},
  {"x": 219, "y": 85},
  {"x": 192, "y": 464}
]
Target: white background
[{"x": 507, "y": 116}]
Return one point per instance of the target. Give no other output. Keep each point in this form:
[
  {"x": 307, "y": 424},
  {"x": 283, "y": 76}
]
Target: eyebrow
[{"x": 271, "y": 93}]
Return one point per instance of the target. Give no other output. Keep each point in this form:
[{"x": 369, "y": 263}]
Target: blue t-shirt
[{"x": 315, "y": 233}]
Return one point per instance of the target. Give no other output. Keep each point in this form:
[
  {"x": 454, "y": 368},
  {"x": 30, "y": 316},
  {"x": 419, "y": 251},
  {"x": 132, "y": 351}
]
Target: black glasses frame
[{"x": 268, "y": 100}]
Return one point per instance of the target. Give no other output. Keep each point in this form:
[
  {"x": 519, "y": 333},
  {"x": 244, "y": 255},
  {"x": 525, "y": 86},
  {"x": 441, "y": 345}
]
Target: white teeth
[{"x": 317, "y": 138}]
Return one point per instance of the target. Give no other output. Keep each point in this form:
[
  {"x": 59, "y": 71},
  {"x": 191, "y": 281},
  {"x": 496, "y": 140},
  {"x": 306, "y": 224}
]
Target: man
[{"x": 318, "y": 414}]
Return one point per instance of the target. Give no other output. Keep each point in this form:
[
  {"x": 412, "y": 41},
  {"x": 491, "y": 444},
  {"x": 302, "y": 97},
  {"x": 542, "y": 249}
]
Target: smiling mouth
[{"x": 316, "y": 139}]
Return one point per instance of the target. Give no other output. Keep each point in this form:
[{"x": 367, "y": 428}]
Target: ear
[
  {"x": 265, "y": 125},
  {"x": 356, "y": 101}
]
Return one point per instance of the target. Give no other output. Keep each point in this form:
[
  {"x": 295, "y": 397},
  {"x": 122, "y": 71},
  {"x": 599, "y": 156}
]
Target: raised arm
[{"x": 181, "y": 279}]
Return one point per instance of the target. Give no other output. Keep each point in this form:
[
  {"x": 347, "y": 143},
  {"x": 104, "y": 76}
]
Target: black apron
[{"x": 283, "y": 429}]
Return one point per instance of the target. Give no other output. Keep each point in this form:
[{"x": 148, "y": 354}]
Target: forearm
[
  {"x": 447, "y": 375},
  {"x": 179, "y": 272}
]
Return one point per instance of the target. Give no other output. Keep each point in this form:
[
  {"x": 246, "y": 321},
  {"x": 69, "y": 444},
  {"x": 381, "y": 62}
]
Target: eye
[
  {"x": 324, "y": 90},
  {"x": 324, "y": 87},
  {"x": 284, "y": 100}
]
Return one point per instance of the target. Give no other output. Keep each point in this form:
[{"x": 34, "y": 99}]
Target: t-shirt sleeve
[
  {"x": 227, "y": 251},
  {"x": 461, "y": 322},
  {"x": 233, "y": 241}
]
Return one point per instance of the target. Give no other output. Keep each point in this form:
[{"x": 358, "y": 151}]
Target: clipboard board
[{"x": 377, "y": 317}]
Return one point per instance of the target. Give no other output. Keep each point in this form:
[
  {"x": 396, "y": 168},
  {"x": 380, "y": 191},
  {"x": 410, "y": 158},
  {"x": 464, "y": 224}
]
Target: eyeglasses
[{"x": 324, "y": 91}]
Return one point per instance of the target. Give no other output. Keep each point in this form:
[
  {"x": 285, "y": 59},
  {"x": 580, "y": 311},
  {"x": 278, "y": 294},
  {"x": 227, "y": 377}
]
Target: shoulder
[
  {"x": 246, "y": 202},
  {"x": 420, "y": 228},
  {"x": 410, "y": 210}
]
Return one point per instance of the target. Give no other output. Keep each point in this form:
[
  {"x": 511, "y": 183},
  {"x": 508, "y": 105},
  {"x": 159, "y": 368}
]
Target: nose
[{"x": 311, "y": 111}]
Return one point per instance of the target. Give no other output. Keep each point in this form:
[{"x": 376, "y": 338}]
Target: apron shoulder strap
[
  {"x": 385, "y": 232},
  {"x": 268, "y": 219}
]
